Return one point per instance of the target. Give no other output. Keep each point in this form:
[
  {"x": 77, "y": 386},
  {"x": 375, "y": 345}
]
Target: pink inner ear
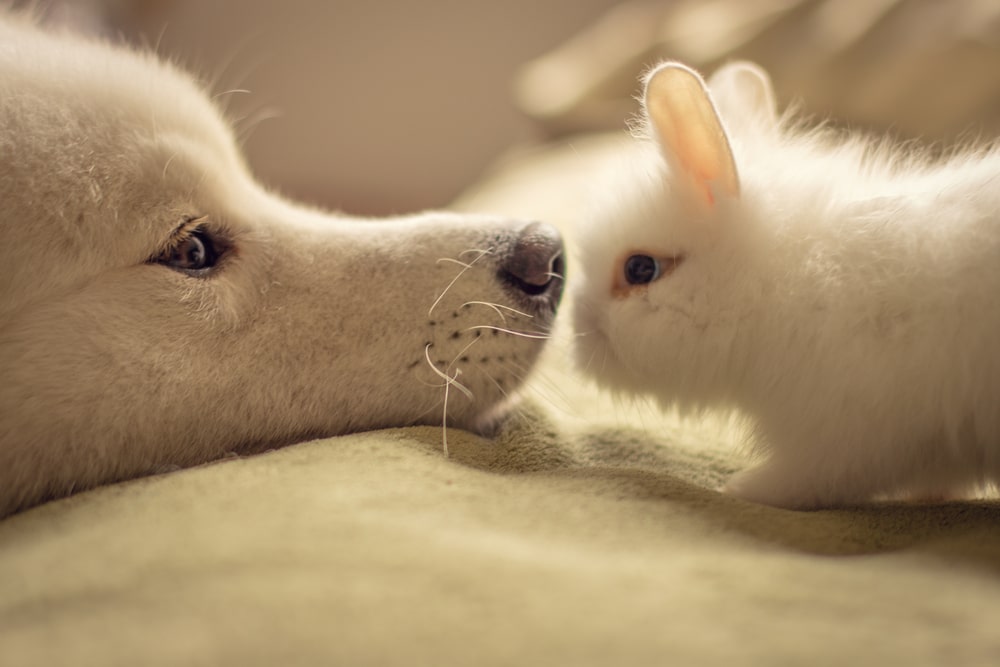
[
  {"x": 690, "y": 132},
  {"x": 706, "y": 191}
]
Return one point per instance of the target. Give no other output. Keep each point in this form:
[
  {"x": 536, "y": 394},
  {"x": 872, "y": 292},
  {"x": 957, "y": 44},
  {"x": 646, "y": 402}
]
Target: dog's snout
[{"x": 535, "y": 264}]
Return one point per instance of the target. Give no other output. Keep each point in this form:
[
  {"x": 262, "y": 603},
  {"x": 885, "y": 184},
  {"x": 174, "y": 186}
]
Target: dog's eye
[
  {"x": 641, "y": 269},
  {"x": 195, "y": 254}
]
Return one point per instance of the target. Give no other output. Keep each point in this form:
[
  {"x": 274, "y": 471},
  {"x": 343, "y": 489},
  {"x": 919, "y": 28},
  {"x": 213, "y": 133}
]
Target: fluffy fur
[
  {"x": 114, "y": 363},
  {"x": 841, "y": 292}
]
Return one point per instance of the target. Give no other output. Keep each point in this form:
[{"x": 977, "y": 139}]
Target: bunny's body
[{"x": 843, "y": 296}]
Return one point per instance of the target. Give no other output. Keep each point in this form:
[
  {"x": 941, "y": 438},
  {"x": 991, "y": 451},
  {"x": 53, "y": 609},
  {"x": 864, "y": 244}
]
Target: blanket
[{"x": 589, "y": 531}]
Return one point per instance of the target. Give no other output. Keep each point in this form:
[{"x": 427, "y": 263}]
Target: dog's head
[{"x": 159, "y": 306}]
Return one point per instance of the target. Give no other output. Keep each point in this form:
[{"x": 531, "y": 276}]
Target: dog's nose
[{"x": 535, "y": 264}]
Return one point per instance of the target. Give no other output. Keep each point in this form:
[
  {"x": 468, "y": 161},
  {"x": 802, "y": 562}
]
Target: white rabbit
[{"x": 843, "y": 294}]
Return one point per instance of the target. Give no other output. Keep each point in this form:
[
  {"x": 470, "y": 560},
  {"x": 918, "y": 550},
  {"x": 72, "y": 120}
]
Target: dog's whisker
[
  {"x": 497, "y": 307},
  {"x": 451, "y": 260},
  {"x": 487, "y": 251},
  {"x": 489, "y": 376},
  {"x": 430, "y": 311},
  {"x": 448, "y": 380},
  {"x": 517, "y": 370},
  {"x": 249, "y": 123},
  {"x": 155, "y": 48},
  {"x": 431, "y": 385},
  {"x": 482, "y": 253},
  {"x": 417, "y": 419},
  {"x": 444, "y": 417},
  {"x": 522, "y": 334},
  {"x": 462, "y": 352},
  {"x": 224, "y": 74},
  {"x": 499, "y": 312},
  {"x": 232, "y": 91}
]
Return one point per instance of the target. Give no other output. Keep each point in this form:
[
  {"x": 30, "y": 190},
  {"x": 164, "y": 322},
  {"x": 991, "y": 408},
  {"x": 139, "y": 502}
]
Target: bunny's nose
[{"x": 535, "y": 265}]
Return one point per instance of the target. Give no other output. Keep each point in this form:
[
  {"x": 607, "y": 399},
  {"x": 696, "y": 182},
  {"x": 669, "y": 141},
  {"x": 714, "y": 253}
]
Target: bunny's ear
[
  {"x": 743, "y": 91},
  {"x": 690, "y": 132}
]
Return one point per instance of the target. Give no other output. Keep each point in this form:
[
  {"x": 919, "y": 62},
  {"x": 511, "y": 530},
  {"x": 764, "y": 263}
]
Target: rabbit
[{"x": 839, "y": 291}]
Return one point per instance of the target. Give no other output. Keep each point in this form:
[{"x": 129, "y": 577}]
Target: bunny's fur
[{"x": 844, "y": 295}]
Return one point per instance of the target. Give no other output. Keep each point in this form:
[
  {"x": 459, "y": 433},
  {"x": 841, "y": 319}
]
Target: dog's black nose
[{"x": 535, "y": 264}]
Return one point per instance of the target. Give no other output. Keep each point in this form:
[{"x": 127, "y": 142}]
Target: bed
[{"x": 589, "y": 531}]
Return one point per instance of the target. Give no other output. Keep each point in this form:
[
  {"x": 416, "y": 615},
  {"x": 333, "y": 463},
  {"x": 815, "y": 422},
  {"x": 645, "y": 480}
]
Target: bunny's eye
[{"x": 641, "y": 269}]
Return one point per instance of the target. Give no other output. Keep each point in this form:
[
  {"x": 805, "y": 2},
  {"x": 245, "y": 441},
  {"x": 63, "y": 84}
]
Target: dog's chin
[{"x": 491, "y": 422}]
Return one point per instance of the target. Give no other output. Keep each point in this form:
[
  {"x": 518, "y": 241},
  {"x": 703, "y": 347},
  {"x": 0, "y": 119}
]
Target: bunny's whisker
[{"x": 499, "y": 308}]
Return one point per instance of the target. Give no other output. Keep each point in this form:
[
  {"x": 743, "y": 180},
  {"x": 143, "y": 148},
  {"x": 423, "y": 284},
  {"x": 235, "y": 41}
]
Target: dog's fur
[{"x": 114, "y": 364}]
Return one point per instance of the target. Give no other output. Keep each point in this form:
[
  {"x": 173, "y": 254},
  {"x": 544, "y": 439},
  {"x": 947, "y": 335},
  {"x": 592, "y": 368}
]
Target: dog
[{"x": 160, "y": 308}]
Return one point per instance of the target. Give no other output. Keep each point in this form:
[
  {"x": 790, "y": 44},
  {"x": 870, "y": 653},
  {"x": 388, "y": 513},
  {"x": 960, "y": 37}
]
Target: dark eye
[
  {"x": 641, "y": 270},
  {"x": 195, "y": 254}
]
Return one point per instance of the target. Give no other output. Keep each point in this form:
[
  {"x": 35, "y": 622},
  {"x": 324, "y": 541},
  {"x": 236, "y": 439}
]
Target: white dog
[{"x": 159, "y": 307}]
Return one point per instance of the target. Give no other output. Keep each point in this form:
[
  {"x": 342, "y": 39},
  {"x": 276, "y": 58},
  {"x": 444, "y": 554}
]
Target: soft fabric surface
[{"x": 586, "y": 533}]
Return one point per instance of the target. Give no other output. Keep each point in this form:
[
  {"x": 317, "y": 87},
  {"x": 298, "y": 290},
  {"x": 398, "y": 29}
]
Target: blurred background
[
  {"x": 390, "y": 106},
  {"x": 370, "y": 106}
]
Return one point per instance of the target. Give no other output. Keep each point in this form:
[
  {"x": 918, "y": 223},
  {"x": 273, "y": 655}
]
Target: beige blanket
[{"x": 587, "y": 533}]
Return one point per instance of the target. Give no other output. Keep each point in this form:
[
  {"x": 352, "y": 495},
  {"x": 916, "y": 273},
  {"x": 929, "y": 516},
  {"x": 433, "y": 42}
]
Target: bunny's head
[{"x": 676, "y": 258}]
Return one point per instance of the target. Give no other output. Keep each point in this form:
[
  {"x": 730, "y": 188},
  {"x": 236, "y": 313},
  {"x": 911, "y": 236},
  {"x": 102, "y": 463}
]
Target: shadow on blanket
[
  {"x": 642, "y": 467},
  {"x": 555, "y": 543}
]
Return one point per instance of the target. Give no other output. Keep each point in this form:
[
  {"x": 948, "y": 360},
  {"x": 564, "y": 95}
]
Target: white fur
[
  {"x": 112, "y": 366},
  {"x": 846, "y": 299}
]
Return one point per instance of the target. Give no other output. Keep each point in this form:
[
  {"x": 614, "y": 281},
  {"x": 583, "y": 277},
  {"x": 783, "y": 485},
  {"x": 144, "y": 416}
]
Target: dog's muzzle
[{"x": 534, "y": 268}]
